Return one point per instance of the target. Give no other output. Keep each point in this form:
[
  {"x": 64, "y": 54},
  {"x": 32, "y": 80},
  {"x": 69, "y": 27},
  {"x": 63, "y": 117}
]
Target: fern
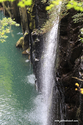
[{"x": 78, "y": 18}]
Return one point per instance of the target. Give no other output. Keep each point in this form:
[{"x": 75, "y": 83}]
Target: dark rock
[{"x": 70, "y": 64}]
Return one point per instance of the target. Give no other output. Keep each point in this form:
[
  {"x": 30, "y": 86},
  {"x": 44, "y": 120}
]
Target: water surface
[{"x": 19, "y": 101}]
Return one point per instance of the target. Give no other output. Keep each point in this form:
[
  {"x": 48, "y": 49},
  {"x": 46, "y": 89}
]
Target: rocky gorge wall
[
  {"x": 70, "y": 53},
  {"x": 70, "y": 67}
]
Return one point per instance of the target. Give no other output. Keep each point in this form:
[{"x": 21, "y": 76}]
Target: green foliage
[
  {"x": 81, "y": 39},
  {"x": 6, "y": 0},
  {"x": 77, "y": 5},
  {"x": 81, "y": 35},
  {"x": 4, "y": 29},
  {"x": 5, "y": 24},
  {"x": 24, "y": 3},
  {"x": 52, "y": 4},
  {"x": 78, "y": 18}
]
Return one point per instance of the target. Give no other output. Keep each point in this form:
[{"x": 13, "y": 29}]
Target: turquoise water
[{"x": 19, "y": 101}]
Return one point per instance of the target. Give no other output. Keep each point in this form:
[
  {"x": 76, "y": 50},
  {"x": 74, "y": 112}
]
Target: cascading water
[{"x": 47, "y": 68}]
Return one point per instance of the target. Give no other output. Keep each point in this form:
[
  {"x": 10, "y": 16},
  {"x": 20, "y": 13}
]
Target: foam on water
[{"x": 27, "y": 60}]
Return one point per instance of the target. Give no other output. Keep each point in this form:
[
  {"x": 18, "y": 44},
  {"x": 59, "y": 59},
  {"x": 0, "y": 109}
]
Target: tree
[{"x": 5, "y": 27}]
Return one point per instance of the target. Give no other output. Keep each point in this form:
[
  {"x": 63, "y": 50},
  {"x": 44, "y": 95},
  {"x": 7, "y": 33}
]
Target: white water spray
[{"x": 48, "y": 67}]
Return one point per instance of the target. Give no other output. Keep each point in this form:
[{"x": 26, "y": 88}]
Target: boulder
[
  {"x": 26, "y": 52},
  {"x": 20, "y": 42}
]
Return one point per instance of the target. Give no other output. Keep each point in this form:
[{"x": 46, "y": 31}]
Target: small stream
[{"x": 20, "y": 103}]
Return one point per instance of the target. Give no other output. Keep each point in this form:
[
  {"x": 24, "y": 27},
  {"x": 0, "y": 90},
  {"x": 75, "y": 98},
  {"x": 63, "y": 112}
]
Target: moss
[
  {"x": 31, "y": 17},
  {"x": 20, "y": 42}
]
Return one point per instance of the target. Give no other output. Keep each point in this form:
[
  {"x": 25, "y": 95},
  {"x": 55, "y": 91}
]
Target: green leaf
[
  {"x": 21, "y": 4},
  {"x": 11, "y": 0},
  {"x": 51, "y": 5},
  {"x": 56, "y": 2},
  {"x": 28, "y": 2},
  {"x": 75, "y": 3},
  {"x": 81, "y": 9},
  {"x": 24, "y": 3},
  {"x": 69, "y": 6},
  {"x": 77, "y": 8},
  {"x": 48, "y": 8},
  {"x": 79, "y": 4},
  {"x": 2, "y": 1}
]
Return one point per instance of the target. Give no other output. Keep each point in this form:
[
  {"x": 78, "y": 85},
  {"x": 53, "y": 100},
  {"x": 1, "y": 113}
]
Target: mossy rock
[
  {"x": 20, "y": 42},
  {"x": 26, "y": 52}
]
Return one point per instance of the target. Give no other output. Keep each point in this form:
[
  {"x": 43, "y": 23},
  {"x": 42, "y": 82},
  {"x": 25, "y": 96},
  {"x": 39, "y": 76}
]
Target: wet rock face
[
  {"x": 70, "y": 64},
  {"x": 40, "y": 13},
  {"x": 36, "y": 40}
]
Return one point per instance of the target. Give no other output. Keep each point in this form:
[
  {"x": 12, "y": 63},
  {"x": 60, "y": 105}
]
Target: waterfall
[
  {"x": 48, "y": 66},
  {"x": 45, "y": 71}
]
